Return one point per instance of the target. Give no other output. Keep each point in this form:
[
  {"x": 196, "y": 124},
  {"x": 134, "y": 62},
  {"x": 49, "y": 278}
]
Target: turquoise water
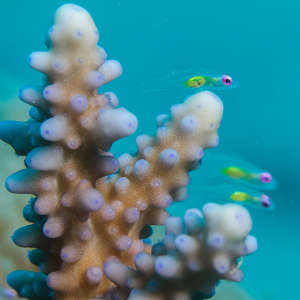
[{"x": 257, "y": 42}]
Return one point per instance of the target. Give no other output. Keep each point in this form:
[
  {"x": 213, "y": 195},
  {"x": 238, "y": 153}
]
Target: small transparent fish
[
  {"x": 233, "y": 193},
  {"x": 180, "y": 82},
  {"x": 203, "y": 81},
  {"x": 239, "y": 196},
  {"x": 239, "y": 173},
  {"x": 220, "y": 168}
]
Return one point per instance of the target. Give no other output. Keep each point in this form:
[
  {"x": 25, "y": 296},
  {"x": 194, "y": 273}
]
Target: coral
[
  {"x": 195, "y": 254},
  {"x": 11, "y": 257},
  {"x": 11, "y": 205},
  {"x": 87, "y": 224}
]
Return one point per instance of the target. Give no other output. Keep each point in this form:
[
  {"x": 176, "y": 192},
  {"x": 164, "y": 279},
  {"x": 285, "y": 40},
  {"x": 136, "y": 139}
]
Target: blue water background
[{"x": 257, "y": 42}]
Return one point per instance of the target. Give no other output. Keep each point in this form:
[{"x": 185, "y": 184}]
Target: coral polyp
[
  {"x": 89, "y": 210},
  {"x": 196, "y": 252}
]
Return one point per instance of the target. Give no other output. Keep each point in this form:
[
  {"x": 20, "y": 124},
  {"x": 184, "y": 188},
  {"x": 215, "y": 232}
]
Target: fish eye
[
  {"x": 265, "y": 201},
  {"x": 265, "y": 177},
  {"x": 227, "y": 80}
]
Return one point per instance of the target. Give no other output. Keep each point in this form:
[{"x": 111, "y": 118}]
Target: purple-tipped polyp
[
  {"x": 91, "y": 200},
  {"x": 106, "y": 165},
  {"x": 79, "y": 103},
  {"x": 94, "y": 79},
  {"x": 188, "y": 124},
  {"x": 141, "y": 167},
  {"x": 166, "y": 266},
  {"x": 216, "y": 240},
  {"x": 70, "y": 254},
  {"x": 93, "y": 275},
  {"x": 52, "y": 93},
  {"x": 84, "y": 233},
  {"x": 53, "y": 228},
  {"x": 169, "y": 157},
  {"x": 124, "y": 243},
  {"x": 131, "y": 215}
]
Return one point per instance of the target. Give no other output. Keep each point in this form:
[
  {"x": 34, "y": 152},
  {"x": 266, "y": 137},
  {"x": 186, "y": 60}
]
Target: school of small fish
[
  {"x": 240, "y": 178},
  {"x": 232, "y": 171},
  {"x": 235, "y": 172}
]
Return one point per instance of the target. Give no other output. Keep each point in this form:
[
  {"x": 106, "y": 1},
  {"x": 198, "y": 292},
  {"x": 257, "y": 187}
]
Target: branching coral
[
  {"x": 195, "y": 254},
  {"x": 11, "y": 205},
  {"x": 87, "y": 223}
]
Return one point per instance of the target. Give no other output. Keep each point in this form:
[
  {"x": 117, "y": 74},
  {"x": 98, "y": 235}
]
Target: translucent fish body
[
  {"x": 238, "y": 173},
  {"x": 221, "y": 168},
  {"x": 262, "y": 199},
  {"x": 234, "y": 193},
  {"x": 234, "y": 172},
  {"x": 209, "y": 81},
  {"x": 179, "y": 82}
]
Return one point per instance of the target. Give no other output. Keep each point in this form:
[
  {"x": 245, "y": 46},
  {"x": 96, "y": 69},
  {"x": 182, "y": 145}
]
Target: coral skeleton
[{"x": 91, "y": 211}]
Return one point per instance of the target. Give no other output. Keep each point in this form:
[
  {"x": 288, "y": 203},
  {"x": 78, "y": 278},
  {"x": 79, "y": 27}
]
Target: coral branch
[
  {"x": 195, "y": 254},
  {"x": 84, "y": 218}
]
